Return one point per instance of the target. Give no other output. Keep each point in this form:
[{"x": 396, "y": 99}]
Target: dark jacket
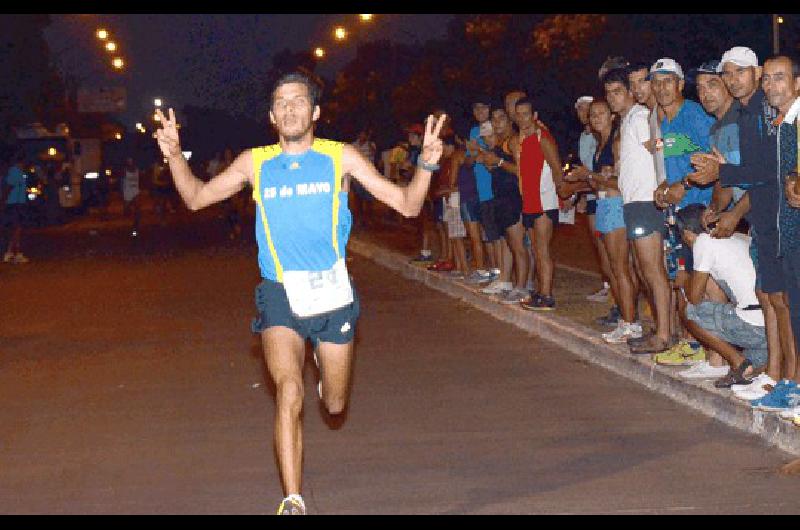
[
  {"x": 788, "y": 217},
  {"x": 758, "y": 142}
]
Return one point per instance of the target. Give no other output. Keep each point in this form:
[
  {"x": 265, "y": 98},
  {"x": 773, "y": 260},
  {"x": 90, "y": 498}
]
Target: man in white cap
[{"x": 758, "y": 143}]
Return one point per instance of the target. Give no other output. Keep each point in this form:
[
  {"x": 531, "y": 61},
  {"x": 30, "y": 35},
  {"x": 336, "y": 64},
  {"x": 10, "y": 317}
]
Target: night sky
[{"x": 211, "y": 60}]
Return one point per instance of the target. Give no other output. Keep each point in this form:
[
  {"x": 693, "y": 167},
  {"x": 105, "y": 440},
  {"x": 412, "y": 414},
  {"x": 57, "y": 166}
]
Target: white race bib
[{"x": 312, "y": 293}]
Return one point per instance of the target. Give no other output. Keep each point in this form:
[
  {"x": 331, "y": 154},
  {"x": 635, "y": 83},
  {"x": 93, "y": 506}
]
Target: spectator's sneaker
[
  {"x": 514, "y": 296},
  {"x": 679, "y": 355},
  {"x": 292, "y": 505},
  {"x": 454, "y": 274},
  {"x": 7, "y": 257},
  {"x": 791, "y": 413},
  {"x": 600, "y": 296},
  {"x": 703, "y": 370},
  {"x": 442, "y": 266},
  {"x": 479, "y": 276},
  {"x": 783, "y": 396},
  {"x": 755, "y": 390},
  {"x": 623, "y": 332},
  {"x": 20, "y": 258},
  {"x": 611, "y": 319},
  {"x": 540, "y": 303},
  {"x": 422, "y": 258},
  {"x": 496, "y": 287}
]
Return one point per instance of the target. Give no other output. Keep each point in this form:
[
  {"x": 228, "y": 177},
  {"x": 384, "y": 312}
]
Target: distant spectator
[{"x": 15, "y": 211}]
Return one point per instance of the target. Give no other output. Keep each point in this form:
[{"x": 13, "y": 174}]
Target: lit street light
[
  {"x": 156, "y": 118},
  {"x": 111, "y": 46},
  {"x": 365, "y": 18},
  {"x": 319, "y": 53},
  {"x": 157, "y": 102},
  {"x": 340, "y": 33},
  {"x": 102, "y": 34},
  {"x": 118, "y": 63}
]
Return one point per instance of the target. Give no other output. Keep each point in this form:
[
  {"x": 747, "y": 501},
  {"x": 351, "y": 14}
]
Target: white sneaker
[
  {"x": 600, "y": 296},
  {"x": 496, "y": 287},
  {"x": 703, "y": 370},
  {"x": 754, "y": 390},
  {"x": 790, "y": 414},
  {"x": 515, "y": 296},
  {"x": 623, "y": 332}
]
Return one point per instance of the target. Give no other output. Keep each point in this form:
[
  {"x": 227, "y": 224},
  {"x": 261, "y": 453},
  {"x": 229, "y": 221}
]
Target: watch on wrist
[
  {"x": 686, "y": 184},
  {"x": 427, "y": 167}
]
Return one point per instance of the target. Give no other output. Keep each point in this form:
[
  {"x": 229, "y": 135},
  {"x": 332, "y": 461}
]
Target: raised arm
[
  {"x": 407, "y": 200},
  {"x": 194, "y": 192}
]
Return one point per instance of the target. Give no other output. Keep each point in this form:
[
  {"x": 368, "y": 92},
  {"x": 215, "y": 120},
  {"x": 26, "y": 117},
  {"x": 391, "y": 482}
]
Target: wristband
[{"x": 427, "y": 167}]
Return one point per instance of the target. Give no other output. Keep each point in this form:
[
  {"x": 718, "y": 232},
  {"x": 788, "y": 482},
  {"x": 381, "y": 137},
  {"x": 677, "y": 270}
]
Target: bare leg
[
  {"x": 541, "y": 235},
  {"x": 616, "y": 244},
  {"x": 506, "y": 260},
  {"x": 336, "y": 362},
  {"x": 514, "y": 235},
  {"x": 650, "y": 252},
  {"x": 285, "y": 352},
  {"x": 781, "y": 307},
  {"x": 474, "y": 232},
  {"x": 773, "y": 336},
  {"x": 461, "y": 256}
]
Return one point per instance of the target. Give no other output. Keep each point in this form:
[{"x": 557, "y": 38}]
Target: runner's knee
[{"x": 290, "y": 396}]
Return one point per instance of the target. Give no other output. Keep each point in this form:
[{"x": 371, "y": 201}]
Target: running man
[{"x": 302, "y": 227}]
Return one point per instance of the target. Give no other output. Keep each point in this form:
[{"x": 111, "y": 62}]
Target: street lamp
[
  {"x": 319, "y": 53},
  {"x": 111, "y": 46},
  {"x": 156, "y": 118},
  {"x": 102, "y": 34},
  {"x": 157, "y": 102},
  {"x": 365, "y": 18},
  {"x": 340, "y": 33},
  {"x": 118, "y": 136},
  {"x": 118, "y": 63}
]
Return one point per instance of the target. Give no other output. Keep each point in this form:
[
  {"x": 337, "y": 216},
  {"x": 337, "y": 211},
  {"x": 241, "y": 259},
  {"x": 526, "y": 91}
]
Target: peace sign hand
[
  {"x": 167, "y": 136},
  {"x": 431, "y": 143}
]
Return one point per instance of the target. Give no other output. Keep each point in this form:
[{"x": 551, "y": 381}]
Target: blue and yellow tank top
[{"x": 303, "y": 221}]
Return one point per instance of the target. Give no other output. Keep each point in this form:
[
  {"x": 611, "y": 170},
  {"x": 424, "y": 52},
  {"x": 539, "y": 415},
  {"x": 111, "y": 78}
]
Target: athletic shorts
[
  {"x": 470, "y": 211},
  {"x": 528, "y": 219},
  {"x": 591, "y": 206},
  {"x": 609, "y": 216},
  {"x": 508, "y": 209},
  {"x": 643, "y": 219},
  {"x": 487, "y": 217},
  {"x": 272, "y": 305},
  {"x": 770, "y": 266},
  {"x": 438, "y": 210}
]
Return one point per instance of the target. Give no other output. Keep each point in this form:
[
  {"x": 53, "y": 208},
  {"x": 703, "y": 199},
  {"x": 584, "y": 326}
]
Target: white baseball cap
[
  {"x": 583, "y": 99},
  {"x": 486, "y": 128},
  {"x": 740, "y": 56},
  {"x": 666, "y": 66}
]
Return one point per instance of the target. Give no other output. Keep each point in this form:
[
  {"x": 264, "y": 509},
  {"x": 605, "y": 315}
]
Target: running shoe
[
  {"x": 496, "y": 287},
  {"x": 479, "y": 276},
  {"x": 442, "y": 266},
  {"x": 600, "y": 296},
  {"x": 611, "y": 319},
  {"x": 623, "y": 332},
  {"x": 756, "y": 389},
  {"x": 704, "y": 370},
  {"x": 422, "y": 258},
  {"x": 790, "y": 414},
  {"x": 514, "y": 296},
  {"x": 454, "y": 274},
  {"x": 682, "y": 354},
  {"x": 540, "y": 303},
  {"x": 292, "y": 505},
  {"x": 785, "y": 395}
]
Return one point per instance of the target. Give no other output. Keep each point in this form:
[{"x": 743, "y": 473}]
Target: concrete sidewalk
[{"x": 572, "y": 327}]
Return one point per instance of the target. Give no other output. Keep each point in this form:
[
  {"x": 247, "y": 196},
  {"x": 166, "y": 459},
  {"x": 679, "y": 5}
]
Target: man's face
[
  {"x": 481, "y": 112},
  {"x": 600, "y": 116},
  {"x": 668, "y": 89},
  {"x": 741, "y": 81},
  {"x": 292, "y": 113},
  {"x": 618, "y": 96},
  {"x": 640, "y": 85},
  {"x": 712, "y": 92},
  {"x": 511, "y": 103},
  {"x": 778, "y": 84},
  {"x": 582, "y": 110},
  {"x": 524, "y": 116},
  {"x": 500, "y": 122}
]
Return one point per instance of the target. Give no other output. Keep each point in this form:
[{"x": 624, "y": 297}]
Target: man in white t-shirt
[
  {"x": 644, "y": 222},
  {"x": 130, "y": 194},
  {"x": 723, "y": 327}
]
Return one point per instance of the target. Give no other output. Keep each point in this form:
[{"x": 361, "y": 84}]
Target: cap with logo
[
  {"x": 740, "y": 56},
  {"x": 708, "y": 67},
  {"x": 666, "y": 66}
]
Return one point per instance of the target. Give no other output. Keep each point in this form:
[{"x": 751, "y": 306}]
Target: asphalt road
[{"x": 131, "y": 383}]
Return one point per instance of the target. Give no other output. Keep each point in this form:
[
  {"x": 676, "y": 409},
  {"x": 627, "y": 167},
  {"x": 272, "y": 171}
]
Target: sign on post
[{"x": 102, "y": 99}]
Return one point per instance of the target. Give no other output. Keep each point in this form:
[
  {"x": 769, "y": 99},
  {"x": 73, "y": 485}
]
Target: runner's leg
[{"x": 336, "y": 361}]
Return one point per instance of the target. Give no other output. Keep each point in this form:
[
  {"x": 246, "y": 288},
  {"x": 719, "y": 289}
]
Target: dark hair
[
  {"x": 497, "y": 107},
  {"x": 792, "y": 60},
  {"x": 617, "y": 75},
  {"x": 524, "y": 101},
  {"x": 689, "y": 218},
  {"x": 638, "y": 65},
  {"x": 314, "y": 91}
]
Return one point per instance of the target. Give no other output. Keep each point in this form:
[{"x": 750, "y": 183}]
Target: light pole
[{"x": 777, "y": 20}]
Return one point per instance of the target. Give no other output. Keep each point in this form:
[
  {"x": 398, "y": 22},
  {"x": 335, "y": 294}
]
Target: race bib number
[{"x": 312, "y": 293}]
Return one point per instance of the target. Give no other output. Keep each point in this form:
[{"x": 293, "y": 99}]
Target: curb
[{"x": 586, "y": 343}]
